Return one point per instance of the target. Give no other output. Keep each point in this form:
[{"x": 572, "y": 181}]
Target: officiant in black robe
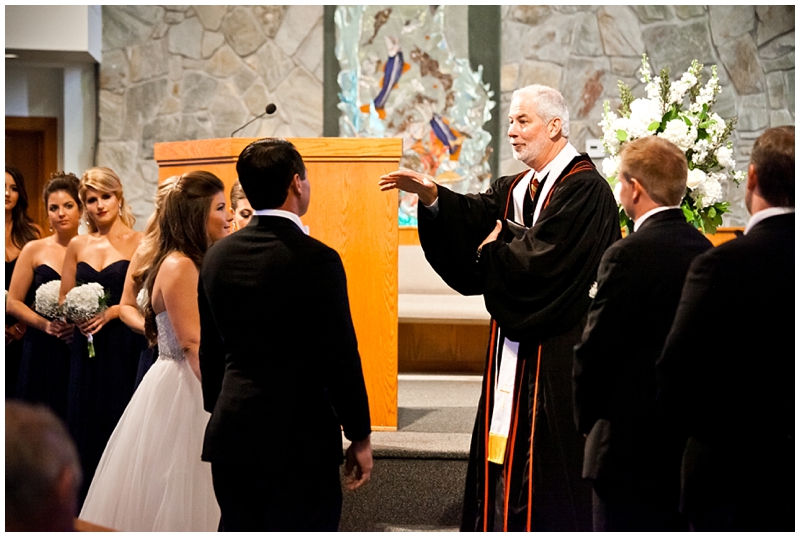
[{"x": 535, "y": 277}]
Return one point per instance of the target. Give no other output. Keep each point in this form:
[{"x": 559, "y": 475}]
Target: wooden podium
[{"x": 349, "y": 213}]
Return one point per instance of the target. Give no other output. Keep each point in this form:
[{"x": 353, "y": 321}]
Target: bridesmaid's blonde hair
[{"x": 105, "y": 180}]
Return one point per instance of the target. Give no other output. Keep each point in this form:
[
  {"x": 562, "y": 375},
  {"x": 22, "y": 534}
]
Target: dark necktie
[{"x": 527, "y": 203}]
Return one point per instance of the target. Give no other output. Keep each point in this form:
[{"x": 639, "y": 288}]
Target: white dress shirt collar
[
  {"x": 764, "y": 214},
  {"x": 283, "y": 214},
  {"x": 638, "y": 223},
  {"x": 549, "y": 174}
]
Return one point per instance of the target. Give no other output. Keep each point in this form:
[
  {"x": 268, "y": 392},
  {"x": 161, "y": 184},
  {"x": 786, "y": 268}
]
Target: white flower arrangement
[
  {"x": 85, "y": 302},
  {"x": 45, "y": 301},
  {"x": 698, "y": 132},
  {"x": 593, "y": 290}
]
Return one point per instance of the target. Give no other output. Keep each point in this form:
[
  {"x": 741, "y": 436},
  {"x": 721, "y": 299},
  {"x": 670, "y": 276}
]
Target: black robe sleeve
[
  {"x": 538, "y": 286},
  {"x": 451, "y": 238}
]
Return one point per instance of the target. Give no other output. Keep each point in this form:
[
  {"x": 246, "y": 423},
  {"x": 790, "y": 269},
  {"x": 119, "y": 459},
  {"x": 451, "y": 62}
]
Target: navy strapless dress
[
  {"x": 101, "y": 387},
  {"x": 13, "y": 349},
  {"x": 44, "y": 368}
]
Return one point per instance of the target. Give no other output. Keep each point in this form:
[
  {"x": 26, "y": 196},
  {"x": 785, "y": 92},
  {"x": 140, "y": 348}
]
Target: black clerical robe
[{"x": 537, "y": 290}]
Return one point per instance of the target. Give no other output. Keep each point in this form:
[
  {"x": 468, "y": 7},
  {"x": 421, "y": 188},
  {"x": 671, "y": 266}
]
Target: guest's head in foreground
[
  {"x": 240, "y": 207},
  {"x": 770, "y": 175},
  {"x": 43, "y": 473},
  {"x": 63, "y": 204},
  {"x": 273, "y": 176},
  {"x": 103, "y": 200},
  {"x": 538, "y": 125},
  {"x": 652, "y": 173},
  {"x": 22, "y": 228},
  {"x": 192, "y": 216}
]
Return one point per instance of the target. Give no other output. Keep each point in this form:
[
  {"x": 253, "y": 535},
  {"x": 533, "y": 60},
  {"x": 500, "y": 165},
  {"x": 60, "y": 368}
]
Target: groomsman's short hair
[
  {"x": 266, "y": 168},
  {"x": 659, "y": 166},
  {"x": 773, "y": 158}
]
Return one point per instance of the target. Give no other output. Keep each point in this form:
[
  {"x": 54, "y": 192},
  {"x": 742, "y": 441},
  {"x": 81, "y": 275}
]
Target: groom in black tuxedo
[
  {"x": 630, "y": 457},
  {"x": 279, "y": 360},
  {"x": 728, "y": 369}
]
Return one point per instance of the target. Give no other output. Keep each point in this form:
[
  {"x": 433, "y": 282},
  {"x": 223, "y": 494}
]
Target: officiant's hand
[
  {"x": 410, "y": 181},
  {"x": 493, "y": 235},
  {"x": 358, "y": 464}
]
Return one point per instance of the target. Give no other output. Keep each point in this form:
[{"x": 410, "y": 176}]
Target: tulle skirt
[{"x": 150, "y": 477}]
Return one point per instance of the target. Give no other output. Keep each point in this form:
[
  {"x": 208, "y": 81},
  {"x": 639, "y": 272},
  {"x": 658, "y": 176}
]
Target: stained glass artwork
[{"x": 399, "y": 78}]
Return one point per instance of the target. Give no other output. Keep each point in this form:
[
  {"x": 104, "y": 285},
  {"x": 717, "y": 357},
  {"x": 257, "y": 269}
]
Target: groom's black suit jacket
[
  {"x": 278, "y": 353},
  {"x": 640, "y": 280},
  {"x": 727, "y": 375}
]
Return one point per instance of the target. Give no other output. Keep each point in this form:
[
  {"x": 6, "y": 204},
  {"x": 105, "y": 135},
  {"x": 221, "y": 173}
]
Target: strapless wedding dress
[{"x": 150, "y": 477}]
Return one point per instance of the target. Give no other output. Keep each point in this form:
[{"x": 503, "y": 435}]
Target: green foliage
[{"x": 626, "y": 96}]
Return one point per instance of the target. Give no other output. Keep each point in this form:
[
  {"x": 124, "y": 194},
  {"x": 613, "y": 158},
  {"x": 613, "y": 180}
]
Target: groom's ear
[{"x": 296, "y": 185}]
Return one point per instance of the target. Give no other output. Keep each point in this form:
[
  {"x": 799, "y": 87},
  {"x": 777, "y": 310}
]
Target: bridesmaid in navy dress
[
  {"x": 20, "y": 230},
  {"x": 44, "y": 369},
  {"x": 100, "y": 387}
]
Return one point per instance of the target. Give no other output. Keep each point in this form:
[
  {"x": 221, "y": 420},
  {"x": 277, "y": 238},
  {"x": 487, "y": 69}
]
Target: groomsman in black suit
[
  {"x": 279, "y": 359},
  {"x": 727, "y": 373},
  {"x": 630, "y": 457}
]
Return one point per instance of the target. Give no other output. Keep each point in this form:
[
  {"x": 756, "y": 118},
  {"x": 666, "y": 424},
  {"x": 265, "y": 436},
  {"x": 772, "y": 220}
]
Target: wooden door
[{"x": 32, "y": 147}]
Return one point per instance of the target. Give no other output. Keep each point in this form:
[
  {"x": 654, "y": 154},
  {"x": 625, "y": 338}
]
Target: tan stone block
[
  {"x": 508, "y": 77},
  {"x": 211, "y": 43},
  {"x": 298, "y": 22},
  {"x": 242, "y": 31},
  {"x": 211, "y": 16},
  {"x": 620, "y": 32}
]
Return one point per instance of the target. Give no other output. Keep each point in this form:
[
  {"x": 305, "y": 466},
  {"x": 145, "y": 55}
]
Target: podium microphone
[{"x": 269, "y": 110}]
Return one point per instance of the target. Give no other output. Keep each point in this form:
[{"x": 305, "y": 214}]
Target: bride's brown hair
[{"x": 179, "y": 225}]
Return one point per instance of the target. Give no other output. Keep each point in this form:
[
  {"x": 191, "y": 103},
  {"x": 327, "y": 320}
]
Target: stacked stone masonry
[{"x": 191, "y": 72}]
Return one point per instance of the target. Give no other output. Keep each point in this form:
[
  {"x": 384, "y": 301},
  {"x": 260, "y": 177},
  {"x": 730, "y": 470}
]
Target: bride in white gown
[{"x": 150, "y": 477}]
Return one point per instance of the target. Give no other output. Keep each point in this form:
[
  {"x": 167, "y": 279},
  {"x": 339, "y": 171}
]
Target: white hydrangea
[
  {"x": 610, "y": 166},
  {"x": 695, "y": 178},
  {"x": 643, "y": 113},
  {"x": 680, "y": 134},
  {"x": 739, "y": 176},
  {"x": 725, "y": 157},
  {"x": 85, "y": 301},
  {"x": 610, "y": 124},
  {"x": 709, "y": 192},
  {"x": 45, "y": 302},
  {"x": 700, "y": 152}
]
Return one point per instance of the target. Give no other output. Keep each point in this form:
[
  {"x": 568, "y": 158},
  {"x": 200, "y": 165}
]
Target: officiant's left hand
[{"x": 493, "y": 235}]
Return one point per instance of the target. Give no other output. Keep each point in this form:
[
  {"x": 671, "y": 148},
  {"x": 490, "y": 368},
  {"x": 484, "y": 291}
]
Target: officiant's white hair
[{"x": 549, "y": 104}]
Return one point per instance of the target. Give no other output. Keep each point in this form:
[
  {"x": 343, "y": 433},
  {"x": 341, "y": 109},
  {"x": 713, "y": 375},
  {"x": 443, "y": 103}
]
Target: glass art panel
[{"x": 399, "y": 78}]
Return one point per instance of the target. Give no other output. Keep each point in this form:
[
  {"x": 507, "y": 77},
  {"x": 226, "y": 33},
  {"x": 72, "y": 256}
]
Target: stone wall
[
  {"x": 191, "y": 72},
  {"x": 584, "y": 50}
]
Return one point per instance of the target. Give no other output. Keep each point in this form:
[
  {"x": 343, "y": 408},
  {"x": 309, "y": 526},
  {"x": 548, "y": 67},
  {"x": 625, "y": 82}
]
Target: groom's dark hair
[{"x": 266, "y": 168}]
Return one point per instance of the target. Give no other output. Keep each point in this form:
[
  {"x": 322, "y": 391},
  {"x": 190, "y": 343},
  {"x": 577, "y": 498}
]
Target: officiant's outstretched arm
[{"x": 279, "y": 359}]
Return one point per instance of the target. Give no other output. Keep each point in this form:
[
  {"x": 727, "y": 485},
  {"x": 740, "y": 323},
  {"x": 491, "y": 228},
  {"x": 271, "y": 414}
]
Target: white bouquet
[
  {"x": 46, "y": 300},
  {"x": 85, "y": 302},
  {"x": 701, "y": 134}
]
